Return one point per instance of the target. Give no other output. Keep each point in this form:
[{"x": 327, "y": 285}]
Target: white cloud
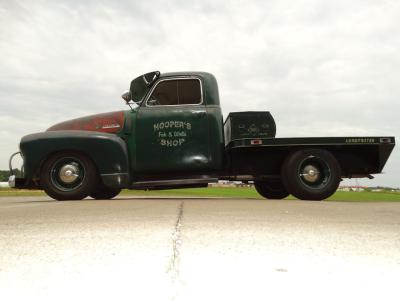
[{"x": 321, "y": 67}]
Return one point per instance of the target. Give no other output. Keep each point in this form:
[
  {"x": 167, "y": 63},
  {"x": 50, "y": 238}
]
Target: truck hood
[{"x": 111, "y": 122}]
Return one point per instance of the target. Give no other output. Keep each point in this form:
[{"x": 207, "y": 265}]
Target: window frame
[{"x": 175, "y": 78}]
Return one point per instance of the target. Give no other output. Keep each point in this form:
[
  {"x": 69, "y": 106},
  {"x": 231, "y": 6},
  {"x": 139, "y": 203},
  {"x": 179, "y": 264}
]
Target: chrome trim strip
[
  {"x": 173, "y": 182},
  {"x": 114, "y": 174},
  {"x": 175, "y": 78}
]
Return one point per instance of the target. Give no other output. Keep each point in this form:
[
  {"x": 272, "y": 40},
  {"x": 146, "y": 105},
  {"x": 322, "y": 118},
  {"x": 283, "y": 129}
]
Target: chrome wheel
[
  {"x": 314, "y": 172},
  {"x": 67, "y": 174},
  {"x": 311, "y": 174}
]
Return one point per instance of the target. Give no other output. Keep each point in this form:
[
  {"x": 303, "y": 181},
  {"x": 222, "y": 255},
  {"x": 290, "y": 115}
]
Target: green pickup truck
[{"x": 174, "y": 136}]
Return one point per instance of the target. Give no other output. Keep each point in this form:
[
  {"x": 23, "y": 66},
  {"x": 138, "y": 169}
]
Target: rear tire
[
  {"x": 311, "y": 174},
  {"x": 271, "y": 189},
  {"x": 104, "y": 192},
  {"x": 68, "y": 176}
]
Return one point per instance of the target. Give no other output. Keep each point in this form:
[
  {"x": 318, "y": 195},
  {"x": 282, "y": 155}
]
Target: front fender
[{"x": 108, "y": 152}]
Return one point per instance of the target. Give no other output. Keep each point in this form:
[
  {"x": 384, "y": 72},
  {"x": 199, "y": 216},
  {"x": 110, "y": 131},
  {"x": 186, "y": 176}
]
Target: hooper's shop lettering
[
  {"x": 172, "y": 125},
  {"x": 172, "y": 133}
]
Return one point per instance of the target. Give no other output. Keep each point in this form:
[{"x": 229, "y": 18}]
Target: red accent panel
[{"x": 111, "y": 122}]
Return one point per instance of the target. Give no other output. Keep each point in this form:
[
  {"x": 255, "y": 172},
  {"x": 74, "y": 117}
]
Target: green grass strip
[{"x": 228, "y": 192}]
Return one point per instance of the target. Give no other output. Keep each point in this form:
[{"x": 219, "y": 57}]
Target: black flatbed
[
  {"x": 357, "y": 156},
  {"x": 310, "y": 141}
]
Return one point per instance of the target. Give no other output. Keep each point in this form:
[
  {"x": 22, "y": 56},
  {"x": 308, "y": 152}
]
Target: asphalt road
[{"x": 160, "y": 248}]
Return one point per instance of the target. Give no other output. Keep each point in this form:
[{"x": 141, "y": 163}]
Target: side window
[
  {"x": 176, "y": 92},
  {"x": 165, "y": 93}
]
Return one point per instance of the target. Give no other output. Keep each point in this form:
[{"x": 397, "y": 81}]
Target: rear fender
[{"x": 108, "y": 152}]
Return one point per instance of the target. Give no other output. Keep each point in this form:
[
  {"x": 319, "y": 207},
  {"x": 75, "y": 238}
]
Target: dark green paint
[
  {"x": 108, "y": 151},
  {"x": 173, "y": 138},
  {"x": 216, "y": 137},
  {"x": 191, "y": 137},
  {"x": 186, "y": 139}
]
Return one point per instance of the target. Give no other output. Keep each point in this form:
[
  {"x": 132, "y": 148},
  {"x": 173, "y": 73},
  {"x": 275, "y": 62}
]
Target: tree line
[{"x": 4, "y": 174}]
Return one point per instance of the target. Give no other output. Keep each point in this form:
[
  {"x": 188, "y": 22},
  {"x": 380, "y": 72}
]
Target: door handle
[{"x": 200, "y": 114}]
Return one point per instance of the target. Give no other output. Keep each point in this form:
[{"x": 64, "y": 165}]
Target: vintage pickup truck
[{"x": 174, "y": 136}]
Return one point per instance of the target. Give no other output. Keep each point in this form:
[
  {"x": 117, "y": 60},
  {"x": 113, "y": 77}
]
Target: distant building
[
  {"x": 352, "y": 188},
  {"x": 226, "y": 183}
]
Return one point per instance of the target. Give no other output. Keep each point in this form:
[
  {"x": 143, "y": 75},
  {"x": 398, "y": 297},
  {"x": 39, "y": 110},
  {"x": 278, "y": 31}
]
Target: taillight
[{"x": 256, "y": 142}]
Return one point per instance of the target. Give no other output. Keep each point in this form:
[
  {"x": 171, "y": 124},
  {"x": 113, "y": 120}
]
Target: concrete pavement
[{"x": 182, "y": 248}]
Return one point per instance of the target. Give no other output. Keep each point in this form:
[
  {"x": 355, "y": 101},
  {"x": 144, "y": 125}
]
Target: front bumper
[
  {"x": 13, "y": 180},
  {"x": 18, "y": 183}
]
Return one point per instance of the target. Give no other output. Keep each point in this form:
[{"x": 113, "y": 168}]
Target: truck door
[{"x": 172, "y": 128}]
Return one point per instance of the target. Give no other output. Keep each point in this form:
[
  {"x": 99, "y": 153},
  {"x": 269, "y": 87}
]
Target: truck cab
[
  {"x": 174, "y": 136},
  {"x": 178, "y": 126}
]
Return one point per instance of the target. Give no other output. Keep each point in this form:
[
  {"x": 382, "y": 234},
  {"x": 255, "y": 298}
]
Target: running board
[{"x": 174, "y": 183}]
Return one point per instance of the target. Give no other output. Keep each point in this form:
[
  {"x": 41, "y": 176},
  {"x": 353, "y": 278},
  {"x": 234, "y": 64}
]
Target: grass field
[{"x": 230, "y": 192}]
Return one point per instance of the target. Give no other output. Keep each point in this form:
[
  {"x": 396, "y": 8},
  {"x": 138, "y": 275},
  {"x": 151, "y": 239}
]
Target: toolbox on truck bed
[{"x": 249, "y": 124}]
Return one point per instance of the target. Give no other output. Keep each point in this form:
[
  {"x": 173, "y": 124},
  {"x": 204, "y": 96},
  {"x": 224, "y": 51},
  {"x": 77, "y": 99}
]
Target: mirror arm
[
  {"x": 128, "y": 98},
  {"x": 131, "y": 103}
]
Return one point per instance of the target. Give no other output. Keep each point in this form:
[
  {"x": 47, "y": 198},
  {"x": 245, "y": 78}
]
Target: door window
[{"x": 176, "y": 92}]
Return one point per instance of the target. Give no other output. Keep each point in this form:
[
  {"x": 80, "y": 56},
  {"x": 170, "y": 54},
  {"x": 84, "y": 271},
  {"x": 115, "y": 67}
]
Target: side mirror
[{"x": 127, "y": 96}]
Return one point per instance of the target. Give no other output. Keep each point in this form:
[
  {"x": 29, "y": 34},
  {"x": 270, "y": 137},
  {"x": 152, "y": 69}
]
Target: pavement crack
[{"x": 173, "y": 267}]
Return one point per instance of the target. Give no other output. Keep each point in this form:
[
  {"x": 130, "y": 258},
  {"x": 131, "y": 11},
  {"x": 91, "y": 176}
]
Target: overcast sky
[{"x": 323, "y": 68}]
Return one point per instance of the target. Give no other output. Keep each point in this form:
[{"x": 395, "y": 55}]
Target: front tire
[
  {"x": 311, "y": 174},
  {"x": 68, "y": 176},
  {"x": 271, "y": 189}
]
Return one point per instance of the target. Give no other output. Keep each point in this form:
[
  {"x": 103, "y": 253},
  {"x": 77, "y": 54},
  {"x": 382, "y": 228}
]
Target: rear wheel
[
  {"x": 311, "y": 174},
  {"x": 68, "y": 176},
  {"x": 273, "y": 189},
  {"x": 104, "y": 192}
]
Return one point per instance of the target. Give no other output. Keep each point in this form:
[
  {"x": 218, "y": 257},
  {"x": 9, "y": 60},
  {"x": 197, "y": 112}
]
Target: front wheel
[
  {"x": 311, "y": 174},
  {"x": 273, "y": 189},
  {"x": 68, "y": 176}
]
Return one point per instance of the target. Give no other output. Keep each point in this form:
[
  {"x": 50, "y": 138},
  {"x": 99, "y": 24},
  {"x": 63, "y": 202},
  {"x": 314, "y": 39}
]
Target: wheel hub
[
  {"x": 310, "y": 173},
  {"x": 69, "y": 173}
]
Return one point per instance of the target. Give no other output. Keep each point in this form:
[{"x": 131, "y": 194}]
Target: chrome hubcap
[
  {"x": 310, "y": 173},
  {"x": 314, "y": 172},
  {"x": 69, "y": 173}
]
